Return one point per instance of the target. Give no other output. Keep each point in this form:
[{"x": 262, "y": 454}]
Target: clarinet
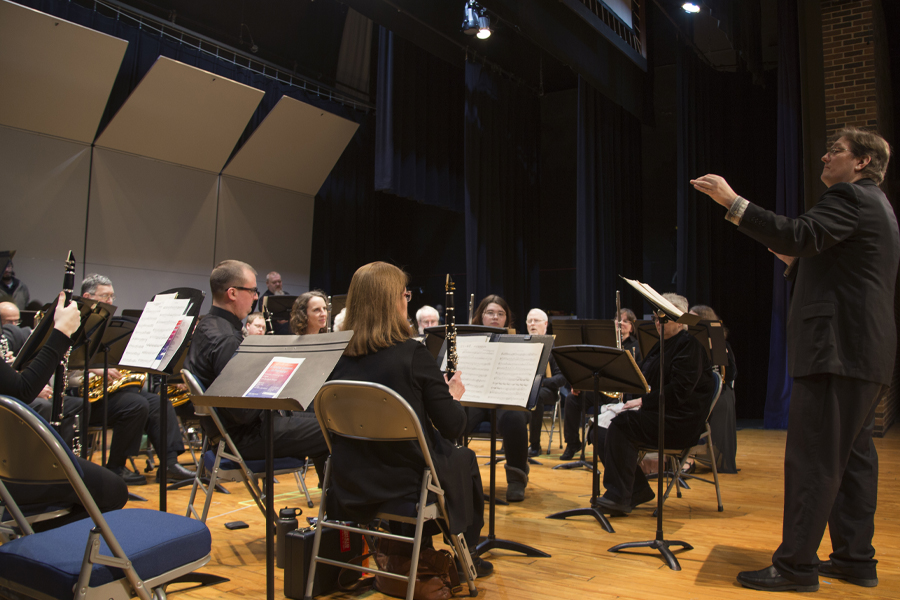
[
  {"x": 450, "y": 324},
  {"x": 60, "y": 380}
]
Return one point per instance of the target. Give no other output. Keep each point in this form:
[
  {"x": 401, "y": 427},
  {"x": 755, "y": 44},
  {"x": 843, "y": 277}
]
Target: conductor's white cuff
[{"x": 736, "y": 212}]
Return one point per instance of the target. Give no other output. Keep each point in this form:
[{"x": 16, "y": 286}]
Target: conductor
[{"x": 842, "y": 257}]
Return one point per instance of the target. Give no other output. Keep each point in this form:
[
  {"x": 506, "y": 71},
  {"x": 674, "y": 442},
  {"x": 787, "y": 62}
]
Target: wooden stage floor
[{"x": 740, "y": 538}]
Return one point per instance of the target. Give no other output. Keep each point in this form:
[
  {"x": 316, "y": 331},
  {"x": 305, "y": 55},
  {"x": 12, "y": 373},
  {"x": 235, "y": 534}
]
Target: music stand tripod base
[
  {"x": 660, "y": 545},
  {"x": 585, "y": 512}
]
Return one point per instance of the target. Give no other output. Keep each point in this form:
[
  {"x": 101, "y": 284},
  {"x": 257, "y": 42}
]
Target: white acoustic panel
[
  {"x": 269, "y": 228},
  {"x": 56, "y": 76},
  {"x": 43, "y": 195},
  {"x": 182, "y": 115},
  {"x": 295, "y": 147},
  {"x": 150, "y": 215}
]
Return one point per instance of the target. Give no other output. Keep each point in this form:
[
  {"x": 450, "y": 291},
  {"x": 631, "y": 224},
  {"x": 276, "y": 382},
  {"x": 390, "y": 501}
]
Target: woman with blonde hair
[
  {"x": 382, "y": 351},
  {"x": 309, "y": 314}
]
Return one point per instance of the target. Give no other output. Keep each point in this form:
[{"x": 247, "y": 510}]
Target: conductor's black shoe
[
  {"x": 614, "y": 509},
  {"x": 129, "y": 477},
  {"x": 645, "y": 495},
  {"x": 570, "y": 451},
  {"x": 534, "y": 451},
  {"x": 770, "y": 580},
  {"x": 175, "y": 472},
  {"x": 827, "y": 569}
]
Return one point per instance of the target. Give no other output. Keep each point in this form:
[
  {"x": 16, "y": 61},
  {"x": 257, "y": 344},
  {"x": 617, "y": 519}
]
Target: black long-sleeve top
[
  {"x": 688, "y": 381},
  {"x": 25, "y": 386}
]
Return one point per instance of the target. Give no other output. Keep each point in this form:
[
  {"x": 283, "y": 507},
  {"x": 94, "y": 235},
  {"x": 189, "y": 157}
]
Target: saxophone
[
  {"x": 450, "y": 324},
  {"x": 95, "y": 384}
]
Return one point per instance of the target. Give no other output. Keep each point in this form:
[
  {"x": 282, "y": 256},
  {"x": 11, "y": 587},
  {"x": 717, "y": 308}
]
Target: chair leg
[
  {"x": 301, "y": 483},
  {"x": 417, "y": 541},
  {"x": 709, "y": 449},
  {"x": 317, "y": 539}
]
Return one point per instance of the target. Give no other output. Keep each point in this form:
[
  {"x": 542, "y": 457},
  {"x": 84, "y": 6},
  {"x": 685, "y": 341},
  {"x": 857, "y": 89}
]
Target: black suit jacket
[{"x": 841, "y": 318}]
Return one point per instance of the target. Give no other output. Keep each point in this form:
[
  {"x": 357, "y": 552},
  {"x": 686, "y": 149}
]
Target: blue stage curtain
[
  {"x": 608, "y": 240},
  {"x": 788, "y": 199},
  {"x": 502, "y": 194},
  {"x": 419, "y": 124},
  {"x": 725, "y": 126}
]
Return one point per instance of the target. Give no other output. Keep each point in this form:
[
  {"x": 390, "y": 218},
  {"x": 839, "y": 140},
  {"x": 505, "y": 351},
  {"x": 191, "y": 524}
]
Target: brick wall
[
  {"x": 851, "y": 98},
  {"x": 849, "y": 58}
]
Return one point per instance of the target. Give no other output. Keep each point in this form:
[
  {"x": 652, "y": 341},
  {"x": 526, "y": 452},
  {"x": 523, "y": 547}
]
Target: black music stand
[
  {"x": 320, "y": 353},
  {"x": 588, "y": 368},
  {"x": 114, "y": 341},
  {"x": 665, "y": 314},
  {"x": 275, "y": 309},
  {"x": 580, "y": 332},
  {"x": 491, "y": 541}
]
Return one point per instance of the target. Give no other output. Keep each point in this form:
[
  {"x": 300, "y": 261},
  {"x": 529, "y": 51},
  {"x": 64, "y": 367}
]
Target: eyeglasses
[
  {"x": 253, "y": 291},
  {"x": 494, "y": 315},
  {"x": 529, "y": 321},
  {"x": 407, "y": 295},
  {"x": 835, "y": 150},
  {"x": 108, "y": 298}
]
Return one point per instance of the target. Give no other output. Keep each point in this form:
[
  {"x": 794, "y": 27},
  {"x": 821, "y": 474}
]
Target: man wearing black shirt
[{"x": 216, "y": 339}]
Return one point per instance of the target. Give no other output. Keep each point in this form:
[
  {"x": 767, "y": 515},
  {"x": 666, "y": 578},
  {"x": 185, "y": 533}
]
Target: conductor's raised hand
[
  {"x": 457, "y": 389},
  {"x": 716, "y": 188},
  {"x": 66, "y": 318}
]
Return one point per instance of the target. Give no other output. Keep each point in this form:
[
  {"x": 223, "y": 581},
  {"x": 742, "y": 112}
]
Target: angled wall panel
[
  {"x": 56, "y": 75},
  {"x": 294, "y": 148},
  {"x": 269, "y": 228},
  {"x": 44, "y": 191},
  {"x": 152, "y": 222},
  {"x": 182, "y": 115}
]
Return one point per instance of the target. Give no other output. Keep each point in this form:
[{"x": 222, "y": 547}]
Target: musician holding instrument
[
  {"x": 108, "y": 490},
  {"x": 689, "y": 387},
  {"x": 309, "y": 314},
  {"x": 575, "y": 400},
  {"x": 382, "y": 351},
  {"x": 537, "y": 322},
  {"x": 512, "y": 425},
  {"x": 130, "y": 411},
  {"x": 216, "y": 339}
]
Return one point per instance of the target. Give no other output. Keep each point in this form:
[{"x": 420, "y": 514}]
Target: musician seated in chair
[
  {"x": 309, "y": 315},
  {"x": 216, "y": 339},
  {"x": 427, "y": 316},
  {"x": 108, "y": 490},
  {"x": 382, "y": 351},
  {"x": 512, "y": 425},
  {"x": 131, "y": 412},
  {"x": 689, "y": 386},
  {"x": 575, "y": 399},
  {"x": 537, "y": 322}
]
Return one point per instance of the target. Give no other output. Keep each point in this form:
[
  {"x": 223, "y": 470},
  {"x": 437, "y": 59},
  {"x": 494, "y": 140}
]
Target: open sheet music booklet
[
  {"x": 651, "y": 294},
  {"x": 496, "y": 372},
  {"x": 158, "y": 334}
]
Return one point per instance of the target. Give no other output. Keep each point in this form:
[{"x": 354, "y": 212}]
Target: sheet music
[
  {"x": 649, "y": 292},
  {"x": 498, "y": 373},
  {"x": 161, "y": 325}
]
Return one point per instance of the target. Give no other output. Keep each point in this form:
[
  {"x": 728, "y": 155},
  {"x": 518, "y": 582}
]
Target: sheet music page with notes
[
  {"x": 158, "y": 333},
  {"x": 497, "y": 372}
]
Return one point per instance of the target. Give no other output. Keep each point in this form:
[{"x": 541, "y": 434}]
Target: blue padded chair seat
[
  {"x": 155, "y": 542},
  {"x": 256, "y": 466}
]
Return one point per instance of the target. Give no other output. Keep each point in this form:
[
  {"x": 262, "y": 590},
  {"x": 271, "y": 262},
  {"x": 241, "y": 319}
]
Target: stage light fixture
[
  {"x": 690, "y": 7},
  {"x": 476, "y": 21}
]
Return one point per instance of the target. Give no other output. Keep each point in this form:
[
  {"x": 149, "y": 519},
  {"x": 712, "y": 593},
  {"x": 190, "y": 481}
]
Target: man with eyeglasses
[
  {"x": 216, "y": 339},
  {"x": 842, "y": 257},
  {"x": 131, "y": 412}
]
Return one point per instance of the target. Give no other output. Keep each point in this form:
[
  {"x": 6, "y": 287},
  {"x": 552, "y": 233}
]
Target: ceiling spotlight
[
  {"x": 690, "y": 7},
  {"x": 476, "y": 21}
]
